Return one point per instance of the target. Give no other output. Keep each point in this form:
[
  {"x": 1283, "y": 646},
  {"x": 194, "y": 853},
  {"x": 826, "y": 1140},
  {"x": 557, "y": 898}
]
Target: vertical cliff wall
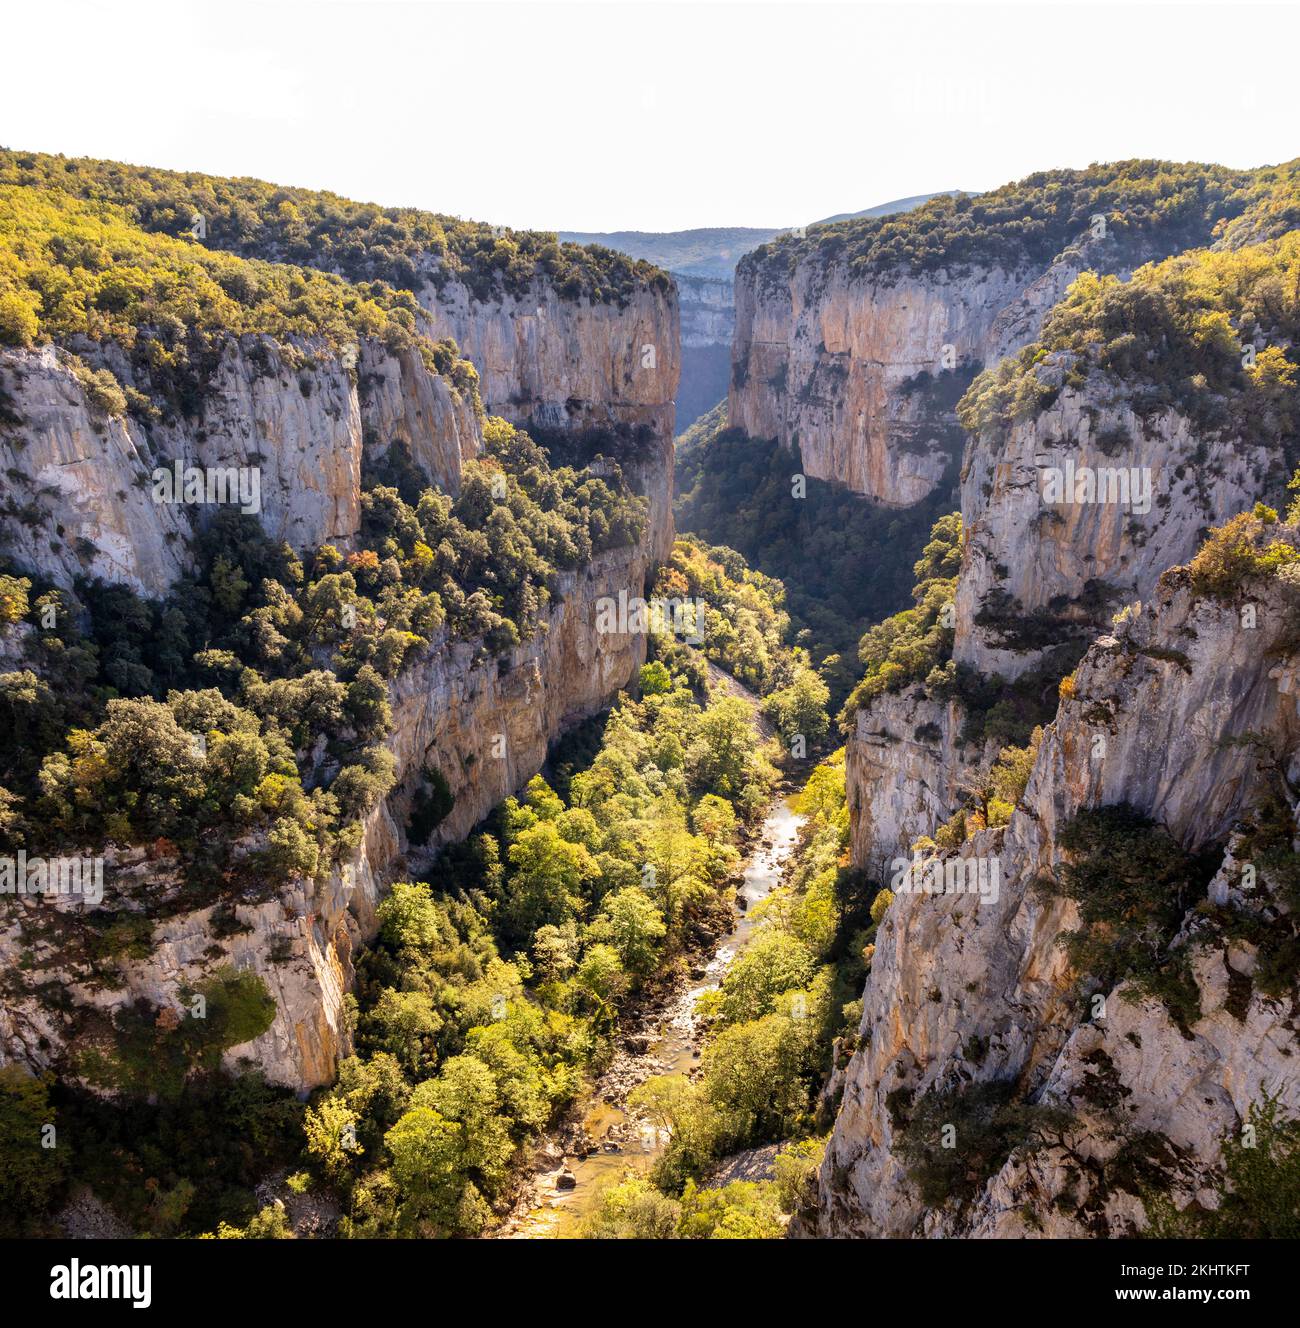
[
  {"x": 79, "y": 493},
  {"x": 862, "y": 369},
  {"x": 1037, "y": 576},
  {"x": 78, "y": 457},
  {"x": 1033, "y": 568},
  {"x": 708, "y": 326},
  {"x": 482, "y": 720},
  {"x": 568, "y": 365},
  {"x": 967, "y": 991}
]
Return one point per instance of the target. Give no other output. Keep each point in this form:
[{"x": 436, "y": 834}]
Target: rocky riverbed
[{"x": 601, "y": 1140}]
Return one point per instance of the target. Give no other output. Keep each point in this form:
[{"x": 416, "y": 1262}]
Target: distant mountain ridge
[{"x": 714, "y": 251}]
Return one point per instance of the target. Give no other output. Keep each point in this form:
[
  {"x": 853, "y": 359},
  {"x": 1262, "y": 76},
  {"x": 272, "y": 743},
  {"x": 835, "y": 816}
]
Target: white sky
[{"x": 653, "y": 116}]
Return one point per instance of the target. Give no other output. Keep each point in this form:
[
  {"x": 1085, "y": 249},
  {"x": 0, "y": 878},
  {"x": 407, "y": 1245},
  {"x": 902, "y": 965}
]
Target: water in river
[{"x": 617, "y": 1142}]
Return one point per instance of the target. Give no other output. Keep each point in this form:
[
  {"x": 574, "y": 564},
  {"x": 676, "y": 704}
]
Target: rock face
[
  {"x": 484, "y": 724},
  {"x": 569, "y": 365},
  {"x": 1036, "y": 573},
  {"x": 967, "y": 991},
  {"x": 903, "y": 767},
  {"x": 79, "y": 479},
  {"x": 708, "y": 311},
  {"x": 1045, "y": 555},
  {"x": 82, "y": 504},
  {"x": 863, "y": 372}
]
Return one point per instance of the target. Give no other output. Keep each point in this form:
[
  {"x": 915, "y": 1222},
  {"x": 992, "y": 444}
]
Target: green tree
[
  {"x": 1258, "y": 1192},
  {"x": 547, "y": 877},
  {"x": 30, "y": 1174},
  {"x": 633, "y": 1210},
  {"x": 630, "y": 922}
]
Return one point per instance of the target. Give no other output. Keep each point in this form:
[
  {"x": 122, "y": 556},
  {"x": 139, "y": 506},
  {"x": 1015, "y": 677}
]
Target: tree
[
  {"x": 743, "y": 1210},
  {"x": 331, "y": 1133},
  {"x": 546, "y": 879},
  {"x": 555, "y": 951},
  {"x": 30, "y": 1174},
  {"x": 290, "y": 853},
  {"x": 717, "y": 760},
  {"x": 139, "y": 765},
  {"x": 367, "y": 705},
  {"x": 13, "y": 599},
  {"x": 774, "y": 962},
  {"x": 19, "y": 325},
  {"x": 633, "y": 1210},
  {"x": 654, "y": 679},
  {"x": 425, "y": 1150},
  {"x": 601, "y": 976},
  {"x": 800, "y": 709},
  {"x": 630, "y": 922},
  {"x": 405, "y": 1024},
  {"x": 714, "y": 818}
]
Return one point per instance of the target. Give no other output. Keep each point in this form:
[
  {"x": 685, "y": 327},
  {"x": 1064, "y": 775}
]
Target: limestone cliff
[
  {"x": 78, "y": 501},
  {"x": 862, "y": 371},
  {"x": 904, "y": 763},
  {"x": 78, "y": 487},
  {"x": 481, "y": 720},
  {"x": 1041, "y": 576},
  {"x": 1196, "y": 709},
  {"x": 708, "y": 325},
  {"x": 1069, "y": 565},
  {"x": 572, "y": 366}
]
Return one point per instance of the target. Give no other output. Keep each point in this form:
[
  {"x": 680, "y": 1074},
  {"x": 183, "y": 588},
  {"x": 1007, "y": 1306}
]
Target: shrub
[
  {"x": 955, "y": 1140},
  {"x": 1258, "y": 1191},
  {"x": 1132, "y": 884}
]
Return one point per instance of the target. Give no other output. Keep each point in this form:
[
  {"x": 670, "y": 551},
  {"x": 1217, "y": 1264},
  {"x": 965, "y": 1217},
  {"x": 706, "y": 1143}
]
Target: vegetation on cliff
[
  {"x": 1026, "y": 224},
  {"x": 81, "y": 273},
  {"x": 845, "y": 563},
  {"x": 1208, "y": 333},
  {"x": 401, "y": 247},
  {"x": 908, "y": 646},
  {"x": 488, "y": 997},
  {"x": 243, "y": 719},
  {"x": 746, "y": 632}
]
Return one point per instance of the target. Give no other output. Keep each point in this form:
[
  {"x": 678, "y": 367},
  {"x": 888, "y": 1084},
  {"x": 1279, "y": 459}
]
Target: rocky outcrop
[
  {"x": 1194, "y": 707},
  {"x": 79, "y": 501},
  {"x": 571, "y": 366},
  {"x": 904, "y": 765},
  {"x": 75, "y": 495},
  {"x": 484, "y": 724},
  {"x": 862, "y": 372},
  {"x": 79, "y": 487},
  {"x": 300, "y": 944},
  {"x": 481, "y": 720},
  {"x": 1038, "y": 573},
  {"x": 1070, "y": 562}
]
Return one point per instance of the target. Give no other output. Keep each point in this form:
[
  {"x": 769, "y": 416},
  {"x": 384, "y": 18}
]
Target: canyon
[
  {"x": 967, "y": 370},
  {"x": 308, "y": 418},
  {"x": 1162, "y": 715}
]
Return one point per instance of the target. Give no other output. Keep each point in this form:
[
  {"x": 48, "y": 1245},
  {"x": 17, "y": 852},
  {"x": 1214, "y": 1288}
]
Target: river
[{"x": 601, "y": 1140}]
